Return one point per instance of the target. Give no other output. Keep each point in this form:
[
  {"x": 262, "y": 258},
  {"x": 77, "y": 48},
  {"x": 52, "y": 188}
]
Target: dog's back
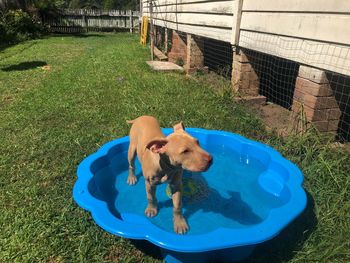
[{"x": 143, "y": 130}]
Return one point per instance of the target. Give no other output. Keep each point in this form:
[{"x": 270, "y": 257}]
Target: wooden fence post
[
  {"x": 236, "y": 27},
  {"x": 151, "y": 29},
  {"x": 166, "y": 40},
  {"x": 130, "y": 22},
  {"x": 85, "y": 20}
]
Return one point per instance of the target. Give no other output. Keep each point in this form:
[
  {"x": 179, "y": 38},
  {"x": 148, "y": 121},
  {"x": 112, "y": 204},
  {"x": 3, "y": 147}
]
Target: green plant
[{"x": 18, "y": 25}]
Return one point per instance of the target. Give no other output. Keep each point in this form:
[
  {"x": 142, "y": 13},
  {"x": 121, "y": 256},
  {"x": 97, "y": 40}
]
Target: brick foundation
[
  {"x": 195, "y": 54},
  {"x": 178, "y": 52},
  {"x": 244, "y": 79},
  {"x": 314, "y": 96}
]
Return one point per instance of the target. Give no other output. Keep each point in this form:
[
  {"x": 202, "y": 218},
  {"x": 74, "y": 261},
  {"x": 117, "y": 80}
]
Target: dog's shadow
[
  {"x": 233, "y": 207},
  {"x": 279, "y": 249}
]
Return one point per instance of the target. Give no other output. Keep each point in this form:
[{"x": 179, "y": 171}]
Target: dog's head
[{"x": 182, "y": 150}]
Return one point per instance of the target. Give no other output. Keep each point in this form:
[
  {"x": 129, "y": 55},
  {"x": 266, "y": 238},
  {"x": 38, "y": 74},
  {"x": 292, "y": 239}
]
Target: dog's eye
[{"x": 185, "y": 151}]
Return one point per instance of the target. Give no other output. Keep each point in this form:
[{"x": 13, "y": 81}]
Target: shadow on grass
[
  {"x": 25, "y": 66},
  {"x": 99, "y": 34},
  {"x": 284, "y": 246},
  {"x": 3, "y": 47},
  {"x": 26, "y": 45},
  {"x": 147, "y": 248},
  {"x": 77, "y": 35}
]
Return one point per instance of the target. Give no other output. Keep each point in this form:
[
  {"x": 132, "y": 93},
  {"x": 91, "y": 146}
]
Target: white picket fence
[{"x": 83, "y": 20}]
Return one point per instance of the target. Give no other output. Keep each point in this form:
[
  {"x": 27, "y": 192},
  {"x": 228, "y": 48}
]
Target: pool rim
[{"x": 221, "y": 238}]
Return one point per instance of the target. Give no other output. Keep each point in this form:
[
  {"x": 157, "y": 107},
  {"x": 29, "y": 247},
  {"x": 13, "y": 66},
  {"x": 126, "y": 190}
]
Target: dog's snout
[{"x": 208, "y": 158}]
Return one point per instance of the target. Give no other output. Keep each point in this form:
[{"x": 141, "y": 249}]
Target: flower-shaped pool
[{"x": 249, "y": 194}]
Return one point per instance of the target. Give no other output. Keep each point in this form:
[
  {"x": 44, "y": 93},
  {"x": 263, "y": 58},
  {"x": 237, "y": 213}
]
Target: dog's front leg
[
  {"x": 151, "y": 209},
  {"x": 180, "y": 224}
]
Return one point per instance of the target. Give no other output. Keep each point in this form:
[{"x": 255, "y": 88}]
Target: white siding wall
[
  {"x": 213, "y": 19},
  {"x": 312, "y": 32}
]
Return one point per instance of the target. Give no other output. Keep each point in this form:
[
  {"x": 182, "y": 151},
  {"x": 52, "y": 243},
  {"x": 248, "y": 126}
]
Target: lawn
[{"x": 62, "y": 97}]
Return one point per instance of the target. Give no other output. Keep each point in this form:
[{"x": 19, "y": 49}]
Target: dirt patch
[
  {"x": 281, "y": 120},
  {"x": 46, "y": 67},
  {"x": 274, "y": 116},
  {"x": 343, "y": 146},
  {"x": 54, "y": 259},
  {"x": 8, "y": 98}
]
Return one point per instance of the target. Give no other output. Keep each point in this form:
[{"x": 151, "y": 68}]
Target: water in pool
[{"x": 227, "y": 195}]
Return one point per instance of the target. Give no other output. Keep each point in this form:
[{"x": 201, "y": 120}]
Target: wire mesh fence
[
  {"x": 217, "y": 55},
  {"x": 303, "y": 73},
  {"x": 340, "y": 85},
  {"x": 304, "y": 79},
  {"x": 277, "y": 77}
]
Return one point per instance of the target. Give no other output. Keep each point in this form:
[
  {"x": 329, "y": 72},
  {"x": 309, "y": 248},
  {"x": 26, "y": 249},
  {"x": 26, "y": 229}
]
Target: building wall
[
  {"x": 313, "y": 32},
  {"x": 212, "y": 19}
]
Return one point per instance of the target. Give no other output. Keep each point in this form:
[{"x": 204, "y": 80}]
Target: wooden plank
[
  {"x": 214, "y": 33},
  {"x": 159, "y": 54},
  {"x": 164, "y": 66},
  {"x": 314, "y": 6},
  {"x": 236, "y": 22},
  {"x": 322, "y": 55},
  {"x": 222, "y": 7},
  {"x": 196, "y": 19},
  {"x": 330, "y": 27}
]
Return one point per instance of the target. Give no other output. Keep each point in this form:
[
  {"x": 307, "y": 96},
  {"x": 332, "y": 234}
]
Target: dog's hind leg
[{"x": 131, "y": 159}]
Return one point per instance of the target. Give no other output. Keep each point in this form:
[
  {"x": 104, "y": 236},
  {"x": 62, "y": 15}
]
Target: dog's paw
[
  {"x": 151, "y": 211},
  {"x": 180, "y": 225},
  {"x": 132, "y": 180}
]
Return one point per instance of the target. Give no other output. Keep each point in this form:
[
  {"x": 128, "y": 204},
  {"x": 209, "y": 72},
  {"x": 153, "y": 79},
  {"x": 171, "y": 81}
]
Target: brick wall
[
  {"x": 178, "y": 52},
  {"x": 245, "y": 81},
  {"x": 314, "y": 96}
]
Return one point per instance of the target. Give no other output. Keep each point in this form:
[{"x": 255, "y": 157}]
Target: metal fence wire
[
  {"x": 286, "y": 83},
  {"x": 282, "y": 81},
  {"x": 217, "y": 55}
]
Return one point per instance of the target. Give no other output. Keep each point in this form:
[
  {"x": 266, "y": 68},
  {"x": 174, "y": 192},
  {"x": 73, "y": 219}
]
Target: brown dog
[{"x": 164, "y": 159}]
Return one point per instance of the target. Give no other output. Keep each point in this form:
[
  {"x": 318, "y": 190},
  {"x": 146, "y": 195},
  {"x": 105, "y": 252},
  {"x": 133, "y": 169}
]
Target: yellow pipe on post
[{"x": 144, "y": 30}]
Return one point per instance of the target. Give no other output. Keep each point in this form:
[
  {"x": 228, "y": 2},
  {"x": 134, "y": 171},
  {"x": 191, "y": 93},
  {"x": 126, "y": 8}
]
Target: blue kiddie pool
[{"x": 248, "y": 195}]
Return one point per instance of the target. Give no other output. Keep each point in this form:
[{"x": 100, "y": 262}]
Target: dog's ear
[
  {"x": 179, "y": 127},
  {"x": 157, "y": 146}
]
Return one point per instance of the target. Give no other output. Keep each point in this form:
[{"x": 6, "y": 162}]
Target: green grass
[{"x": 51, "y": 119}]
